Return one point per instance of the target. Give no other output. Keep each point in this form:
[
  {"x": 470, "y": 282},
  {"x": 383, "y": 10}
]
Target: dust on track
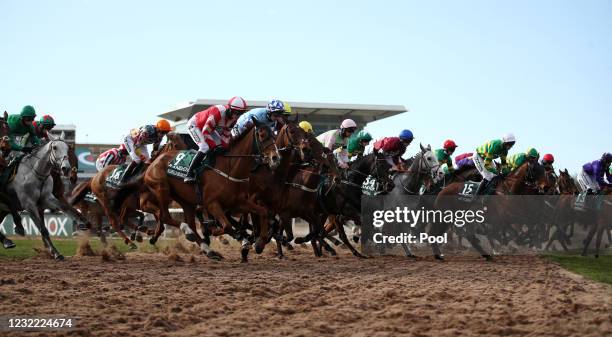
[{"x": 181, "y": 294}]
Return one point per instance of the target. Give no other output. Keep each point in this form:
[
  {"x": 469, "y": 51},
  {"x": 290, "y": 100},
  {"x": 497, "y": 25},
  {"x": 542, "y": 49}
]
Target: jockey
[
  {"x": 591, "y": 177},
  {"x": 444, "y": 154},
  {"x": 392, "y": 149},
  {"x": 20, "y": 128},
  {"x": 358, "y": 142},
  {"x": 306, "y": 126},
  {"x": 212, "y": 127},
  {"x": 336, "y": 140},
  {"x": 516, "y": 160},
  {"x": 547, "y": 161},
  {"x": 137, "y": 140},
  {"x": 273, "y": 116},
  {"x": 486, "y": 153},
  {"x": 114, "y": 156},
  {"x": 406, "y": 137},
  {"x": 43, "y": 126}
]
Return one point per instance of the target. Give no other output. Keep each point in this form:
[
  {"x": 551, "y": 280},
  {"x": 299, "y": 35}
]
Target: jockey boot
[
  {"x": 195, "y": 163},
  {"x": 482, "y": 187},
  {"x": 128, "y": 171}
]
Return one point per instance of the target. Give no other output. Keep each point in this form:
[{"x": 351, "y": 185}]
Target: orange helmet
[{"x": 163, "y": 125}]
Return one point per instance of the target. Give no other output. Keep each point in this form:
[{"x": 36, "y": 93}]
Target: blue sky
[{"x": 467, "y": 70}]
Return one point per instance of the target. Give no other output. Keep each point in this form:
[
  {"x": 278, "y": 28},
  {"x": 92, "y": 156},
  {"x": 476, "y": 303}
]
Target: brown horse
[
  {"x": 223, "y": 188},
  {"x": 267, "y": 185},
  {"x": 603, "y": 221},
  {"x": 527, "y": 176},
  {"x": 118, "y": 204},
  {"x": 563, "y": 216},
  {"x": 5, "y": 149}
]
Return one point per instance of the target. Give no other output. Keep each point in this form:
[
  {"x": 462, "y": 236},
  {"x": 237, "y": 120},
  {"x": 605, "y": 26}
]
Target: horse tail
[{"x": 79, "y": 192}]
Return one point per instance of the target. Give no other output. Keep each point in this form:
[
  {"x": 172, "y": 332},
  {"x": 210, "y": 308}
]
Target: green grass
[
  {"x": 598, "y": 269},
  {"x": 26, "y": 247}
]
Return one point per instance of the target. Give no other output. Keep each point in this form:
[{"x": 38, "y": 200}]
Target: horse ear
[
  {"x": 5, "y": 115},
  {"x": 62, "y": 135},
  {"x": 566, "y": 172},
  {"x": 422, "y": 148}
]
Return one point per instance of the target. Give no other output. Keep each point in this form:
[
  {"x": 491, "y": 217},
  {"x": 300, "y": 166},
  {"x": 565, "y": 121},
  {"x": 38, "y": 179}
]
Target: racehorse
[
  {"x": 221, "y": 188},
  {"x": 34, "y": 188},
  {"x": 499, "y": 211},
  {"x": 602, "y": 223},
  {"x": 118, "y": 205},
  {"x": 421, "y": 170},
  {"x": 5, "y": 148},
  {"x": 563, "y": 216}
]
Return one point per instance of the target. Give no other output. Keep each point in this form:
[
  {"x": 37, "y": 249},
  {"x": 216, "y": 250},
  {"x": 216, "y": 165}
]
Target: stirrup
[{"x": 189, "y": 179}]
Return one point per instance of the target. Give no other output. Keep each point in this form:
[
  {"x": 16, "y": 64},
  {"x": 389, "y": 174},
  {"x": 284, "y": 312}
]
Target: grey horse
[{"x": 33, "y": 185}]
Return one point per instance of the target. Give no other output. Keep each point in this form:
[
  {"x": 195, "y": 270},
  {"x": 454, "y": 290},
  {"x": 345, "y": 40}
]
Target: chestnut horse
[
  {"x": 118, "y": 204},
  {"x": 223, "y": 188}
]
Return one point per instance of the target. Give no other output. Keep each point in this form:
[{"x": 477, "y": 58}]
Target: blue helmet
[
  {"x": 406, "y": 135},
  {"x": 276, "y": 107}
]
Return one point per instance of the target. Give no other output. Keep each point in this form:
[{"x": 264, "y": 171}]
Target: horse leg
[
  {"x": 39, "y": 221},
  {"x": 6, "y": 242},
  {"x": 438, "y": 229},
  {"x": 340, "y": 229},
  {"x": 588, "y": 239},
  {"x": 601, "y": 227},
  {"x": 476, "y": 244}
]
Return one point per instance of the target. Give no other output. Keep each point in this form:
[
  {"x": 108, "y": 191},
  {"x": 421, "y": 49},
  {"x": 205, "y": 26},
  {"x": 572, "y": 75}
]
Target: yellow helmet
[
  {"x": 307, "y": 127},
  {"x": 288, "y": 110}
]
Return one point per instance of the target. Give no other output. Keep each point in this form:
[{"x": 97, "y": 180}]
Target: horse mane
[{"x": 246, "y": 131}]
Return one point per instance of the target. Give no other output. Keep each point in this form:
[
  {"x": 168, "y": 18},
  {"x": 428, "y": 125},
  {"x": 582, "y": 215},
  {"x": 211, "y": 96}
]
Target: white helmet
[
  {"x": 509, "y": 138},
  {"x": 237, "y": 103},
  {"x": 348, "y": 123}
]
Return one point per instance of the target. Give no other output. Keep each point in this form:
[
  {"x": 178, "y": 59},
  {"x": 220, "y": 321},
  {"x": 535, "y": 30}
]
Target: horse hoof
[
  {"x": 596, "y": 255},
  {"x": 214, "y": 256},
  {"x": 153, "y": 241},
  {"x": 59, "y": 257},
  {"x": 298, "y": 241},
  {"x": 132, "y": 246},
  {"x": 190, "y": 237},
  {"x": 138, "y": 238},
  {"x": 289, "y": 246},
  {"x": 8, "y": 244},
  {"x": 439, "y": 257},
  {"x": 488, "y": 257},
  {"x": 281, "y": 257},
  {"x": 411, "y": 256}
]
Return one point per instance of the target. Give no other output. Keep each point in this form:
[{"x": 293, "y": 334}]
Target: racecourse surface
[{"x": 177, "y": 293}]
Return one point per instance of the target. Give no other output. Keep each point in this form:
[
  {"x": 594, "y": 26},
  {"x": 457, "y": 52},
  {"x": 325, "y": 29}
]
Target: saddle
[
  {"x": 9, "y": 172},
  {"x": 179, "y": 166}
]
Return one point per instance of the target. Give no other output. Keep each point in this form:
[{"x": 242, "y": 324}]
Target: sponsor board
[{"x": 58, "y": 224}]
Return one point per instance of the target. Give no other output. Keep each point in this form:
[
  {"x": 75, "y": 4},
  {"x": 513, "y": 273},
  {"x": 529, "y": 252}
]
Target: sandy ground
[{"x": 170, "y": 294}]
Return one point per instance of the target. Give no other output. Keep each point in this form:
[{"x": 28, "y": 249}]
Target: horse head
[
  {"x": 429, "y": 162},
  {"x": 266, "y": 144},
  {"x": 566, "y": 184},
  {"x": 292, "y": 137}
]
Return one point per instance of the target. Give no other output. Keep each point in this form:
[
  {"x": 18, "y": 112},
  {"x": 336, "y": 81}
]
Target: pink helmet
[
  {"x": 238, "y": 103},
  {"x": 348, "y": 123}
]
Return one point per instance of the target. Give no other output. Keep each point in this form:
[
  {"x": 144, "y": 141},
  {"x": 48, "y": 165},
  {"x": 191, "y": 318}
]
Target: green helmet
[
  {"x": 28, "y": 111},
  {"x": 363, "y": 135},
  {"x": 46, "y": 120},
  {"x": 533, "y": 153}
]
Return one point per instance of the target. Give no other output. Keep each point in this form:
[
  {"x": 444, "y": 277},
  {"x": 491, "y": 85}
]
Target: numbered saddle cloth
[
  {"x": 113, "y": 180},
  {"x": 179, "y": 166},
  {"x": 469, "y": 188}
]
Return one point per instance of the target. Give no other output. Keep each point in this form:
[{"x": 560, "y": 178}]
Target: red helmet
[
  {"x": 237, "y": 103},
  {"x": 548, "y": 158},
  {"x": 449, "y": 144}
]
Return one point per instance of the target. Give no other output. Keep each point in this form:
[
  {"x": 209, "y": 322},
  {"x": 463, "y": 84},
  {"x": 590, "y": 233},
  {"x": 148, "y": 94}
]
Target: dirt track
[{"x": 177, "y": 295}]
